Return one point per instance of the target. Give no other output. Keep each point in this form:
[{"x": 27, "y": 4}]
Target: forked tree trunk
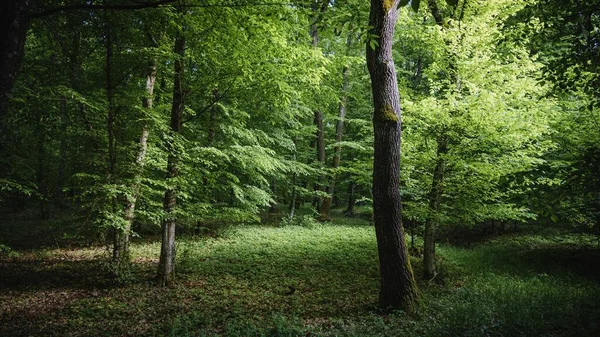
[
  {"x": 398, "y": 287},
  {"x": 325, "y": 208},
  {"x": 435, "y": 198},
  {"x": 166, "y": 265},
  {"x": 140, "y": 160}
]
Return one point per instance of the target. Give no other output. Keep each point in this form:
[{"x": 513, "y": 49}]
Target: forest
[{"x": 300, "y": 168}]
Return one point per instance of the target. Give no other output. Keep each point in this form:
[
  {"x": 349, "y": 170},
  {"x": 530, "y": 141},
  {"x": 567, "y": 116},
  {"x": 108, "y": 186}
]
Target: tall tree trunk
[
  {"x": 398, "y": 287},
  {"x": 437, "y": 183},
  {"x": 110, "y": 128},
  {"x": 292, "y": 207},
  {"x": 42, "y": 180},
  {"x": 14, "y": 22},
  {"x": 435, "y": 198},
  {"x": 320, "y": 146},
  {"x": 318, "y": 8},
  {"x": 293, "y": 201},
  {"x": 140, "y": 160},
  {"x": 60, "y": 181},
  {"x": 325, "y": 208},
  {"x": 166, "y": 265}
]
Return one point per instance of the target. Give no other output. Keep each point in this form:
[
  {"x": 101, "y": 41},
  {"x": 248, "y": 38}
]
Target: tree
[
  {"x": 166, "y": 264},
  {"x": 398, "y": 288}
]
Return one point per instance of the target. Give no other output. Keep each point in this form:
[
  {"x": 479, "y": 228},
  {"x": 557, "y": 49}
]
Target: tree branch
[
  {"x": 144, "y": 5},
  {"x": 137, "y": 5}
]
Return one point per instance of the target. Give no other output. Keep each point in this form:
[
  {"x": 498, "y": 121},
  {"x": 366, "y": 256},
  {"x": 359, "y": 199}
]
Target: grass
[{"x": 311, "y": 280}]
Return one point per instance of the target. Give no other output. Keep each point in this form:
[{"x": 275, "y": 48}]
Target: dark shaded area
[
  {"x": 53, "y": 274},
  {"x": 559, "y": 259}
]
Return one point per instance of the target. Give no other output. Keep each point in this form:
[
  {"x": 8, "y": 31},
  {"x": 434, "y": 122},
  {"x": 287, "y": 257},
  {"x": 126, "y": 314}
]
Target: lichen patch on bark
[
  {"x": 387, "y": 5},
  {"x": 386, "y": 114}
]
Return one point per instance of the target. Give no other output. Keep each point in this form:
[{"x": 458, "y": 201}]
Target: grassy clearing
[{"x": 311, "y": 280}]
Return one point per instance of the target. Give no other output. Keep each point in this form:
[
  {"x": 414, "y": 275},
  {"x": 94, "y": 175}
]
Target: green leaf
[
  {"x": 415, "y": 4},
  {"x": 373, "y": 44},
  {"x": 452, "y": 2},
  {"x": 403, "y": 3}
]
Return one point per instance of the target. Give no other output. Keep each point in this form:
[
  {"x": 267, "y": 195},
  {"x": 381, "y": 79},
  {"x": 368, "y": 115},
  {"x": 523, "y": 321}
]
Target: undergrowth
[{"x": 305, "y": 279}]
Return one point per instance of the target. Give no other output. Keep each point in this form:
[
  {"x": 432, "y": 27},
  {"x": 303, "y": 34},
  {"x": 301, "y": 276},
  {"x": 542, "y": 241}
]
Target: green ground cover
[{"x": 311, "y": 280}]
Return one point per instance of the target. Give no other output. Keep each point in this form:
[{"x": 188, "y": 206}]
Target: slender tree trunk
[
  {"x": 351, "y": 199},
  {"x": 110, "y": 128},
  {"x": 320, "y": 146},
  {"x": 437, "y": 183},
  {"x": 325, "y": 208},
  {"x": 318, "y": 8},
  {"x": 60, "y": 181},
  {"x": 398, "y": 287},
  {"x": 293, "y": 201},
  {"x": 435, "y": 198},
  {"x": 42, "y": 180},
  {"x": 140, "y": 160},
  {"x": 166, "y": 265},
  {"x": 273, "y": 207},
  {"x": 14, "y": 22}
]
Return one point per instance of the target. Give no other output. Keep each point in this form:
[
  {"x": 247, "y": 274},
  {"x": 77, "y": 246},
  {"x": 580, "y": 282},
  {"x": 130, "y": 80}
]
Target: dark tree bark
[
  {"x": 60, "y": 181},
  {"x": 398, "y": 288},
  {"x": 320, "y": 146},
  {"x": 351, "y": 199},
  {"x": 325, "y": 208},
  {"x": 212, "y": 126},
  {"x": 318, "y": 8},
  {"x": 435, "y": 198},
  {"x": 42, "y": 179},
  {"x": 166, "y": 265},
  {"x": 293, "y": 201},
  {"x": 14, "y": 22},
  {"x": 110, "y": 128}
]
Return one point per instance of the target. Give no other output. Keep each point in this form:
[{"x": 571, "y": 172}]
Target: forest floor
[{"x": 311, "y": 280}]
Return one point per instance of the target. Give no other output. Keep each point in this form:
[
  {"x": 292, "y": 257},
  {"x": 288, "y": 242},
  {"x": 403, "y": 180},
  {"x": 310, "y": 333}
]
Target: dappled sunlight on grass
[{"x": 320, "y": 279}]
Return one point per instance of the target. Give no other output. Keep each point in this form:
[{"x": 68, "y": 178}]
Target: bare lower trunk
[
  {"x": 293, "y": 201},
  {"x": 166, "y": 265},
  {"x": 435, "y": 197},
  {"x": 351, "y": 199},
  {"x": 325, "y": 208},
  {"x": 273, "y": 207},
  {"x": 320, "y": 146},
  {"x": 60, "y": 181},
  {"x": 110, "y": 129},
  {"x": 398, "y": 287},
  {"x": 41, "y": 169}
]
